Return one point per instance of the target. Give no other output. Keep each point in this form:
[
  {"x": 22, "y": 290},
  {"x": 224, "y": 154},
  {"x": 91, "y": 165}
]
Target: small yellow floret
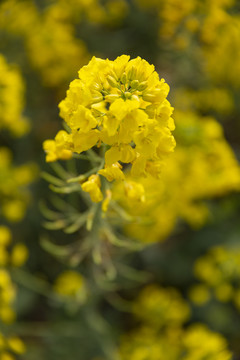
[
  {"x": 7, "y": 356},
  {"x": 19, "y": 255},
  {"x": 224, "y": 292},
  {"x": 134, "y": 191},
  {"x": 199, "y": 294},
  {"x": 70, "y": 284},
  {"x": 7, "y": 315},
  {"x": 113, "y": 172},
  {"x": 16, "y": 345},
  {"x": 14, "y": 210},
  {"x": 58, "y": 148},
  {"x": 5, "y": 236},
  {"x": 92, "y": 186}
]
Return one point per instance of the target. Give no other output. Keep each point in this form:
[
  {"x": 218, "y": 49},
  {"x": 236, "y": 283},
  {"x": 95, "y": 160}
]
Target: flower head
[{"x": 121, "y": 104}]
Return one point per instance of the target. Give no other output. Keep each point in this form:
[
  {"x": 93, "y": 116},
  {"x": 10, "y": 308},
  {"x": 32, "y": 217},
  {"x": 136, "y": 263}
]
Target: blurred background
[{"x": 179, "y": 296}]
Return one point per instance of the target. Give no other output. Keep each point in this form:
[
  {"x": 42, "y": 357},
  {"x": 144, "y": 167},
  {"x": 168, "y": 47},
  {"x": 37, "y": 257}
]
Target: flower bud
[
  {"x": 124, "y": 78},
  {"x": 112, "y": 82},
  {"x": 142, "y": 86},
  {"x": 134, "y": 84}
]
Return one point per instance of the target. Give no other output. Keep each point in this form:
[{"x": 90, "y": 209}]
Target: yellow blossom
[
  {"x": 14, "y": 210},
  {"x": 19, "y": 255},
  {"x": 16, "y": 345},
  {"x": 196, "y": 342},
  {"x": 14, "y": 180},
  {"x": 122, "y": 104},
  {"x": 224, "y": 292},
  {"x": 199, "y": 294},
  {"x": 7, "y": 314},
  {"x": 12, "y": 99},
  {"x": 70, "y": 284},
  {"x": 134, "y": 191},
  {"x": 92, "y": 186},
  {"x": 159, "y": 307},
  {"x": 7, "y": 356},
  {"x": 58, "y": 148},
  {"x": 112, "y": 172},
  {"x": 7, "y": 296},
  {"x": 219, "y": 270},
  {"x": 11, "y": 346}
]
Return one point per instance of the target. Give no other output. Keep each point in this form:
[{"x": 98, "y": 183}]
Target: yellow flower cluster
[
  {"x": 121, "y": 104},
  {"x": 16, "y": 257},
  {"x": 199, "y": 294},
  {"x": 197, "y": 342},
  {"x": 14, "y": 9},
  {"x": 226, "y": 43},
  {"x": 11, "y": 346},
  {"x": 111, "y": 12},
  {"x": 14, "y": 197},
  {"x": 161, "y": 334},
  {"x": 181, "y": 20},
  {"x": 52, "y": 33},
  {"x": 173, "y": 14},
  {"x": 71, "y": 285},
  {"x": 14, "y": 194},
  {"x": 161, "y": 307},
  {"x": 200, "y": 343},
  {"x": 45, "y": 35},
  {"x": 19, "y": 252},
  {"x": 203, "y": 166},
  {"x": 7, "y": 297},
  {"x": 219, "y": 272},
  {"x": 48, "y": 31},
  {"x": 211, "y": 26},
  {"x": 12, "y": 99}
]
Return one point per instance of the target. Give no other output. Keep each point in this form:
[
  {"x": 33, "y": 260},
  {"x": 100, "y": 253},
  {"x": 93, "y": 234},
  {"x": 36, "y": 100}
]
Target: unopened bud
[
  {"x": 112, "y": 82},
  {"x": 97, "y": 99},
  {"x": 124, "y": 78},
  {"x": 112, "y": 97},
  {"x": 132, "y": 73},
  {"x": 128, "y": 95},
  {"x": 143, "y": 85},
  {"x": 134, "y": 84},
  {"x": 149, "y": 97}
]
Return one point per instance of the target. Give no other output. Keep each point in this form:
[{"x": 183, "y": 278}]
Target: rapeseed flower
[
  {"x": 12, "y": 99},
  {"x": 160, "y": 307},
  {"x": 121, "y": 104},
  {"x": 219, "y": 270},
  {"x": 14, "y": 182},
  {"x": 71, "y": 285},
  {"x": 92, "y": 186},
  {"x": 196, "y": 342},
  {"x": 11, "y": 345},
  {"x": 7, "y": 296}
]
